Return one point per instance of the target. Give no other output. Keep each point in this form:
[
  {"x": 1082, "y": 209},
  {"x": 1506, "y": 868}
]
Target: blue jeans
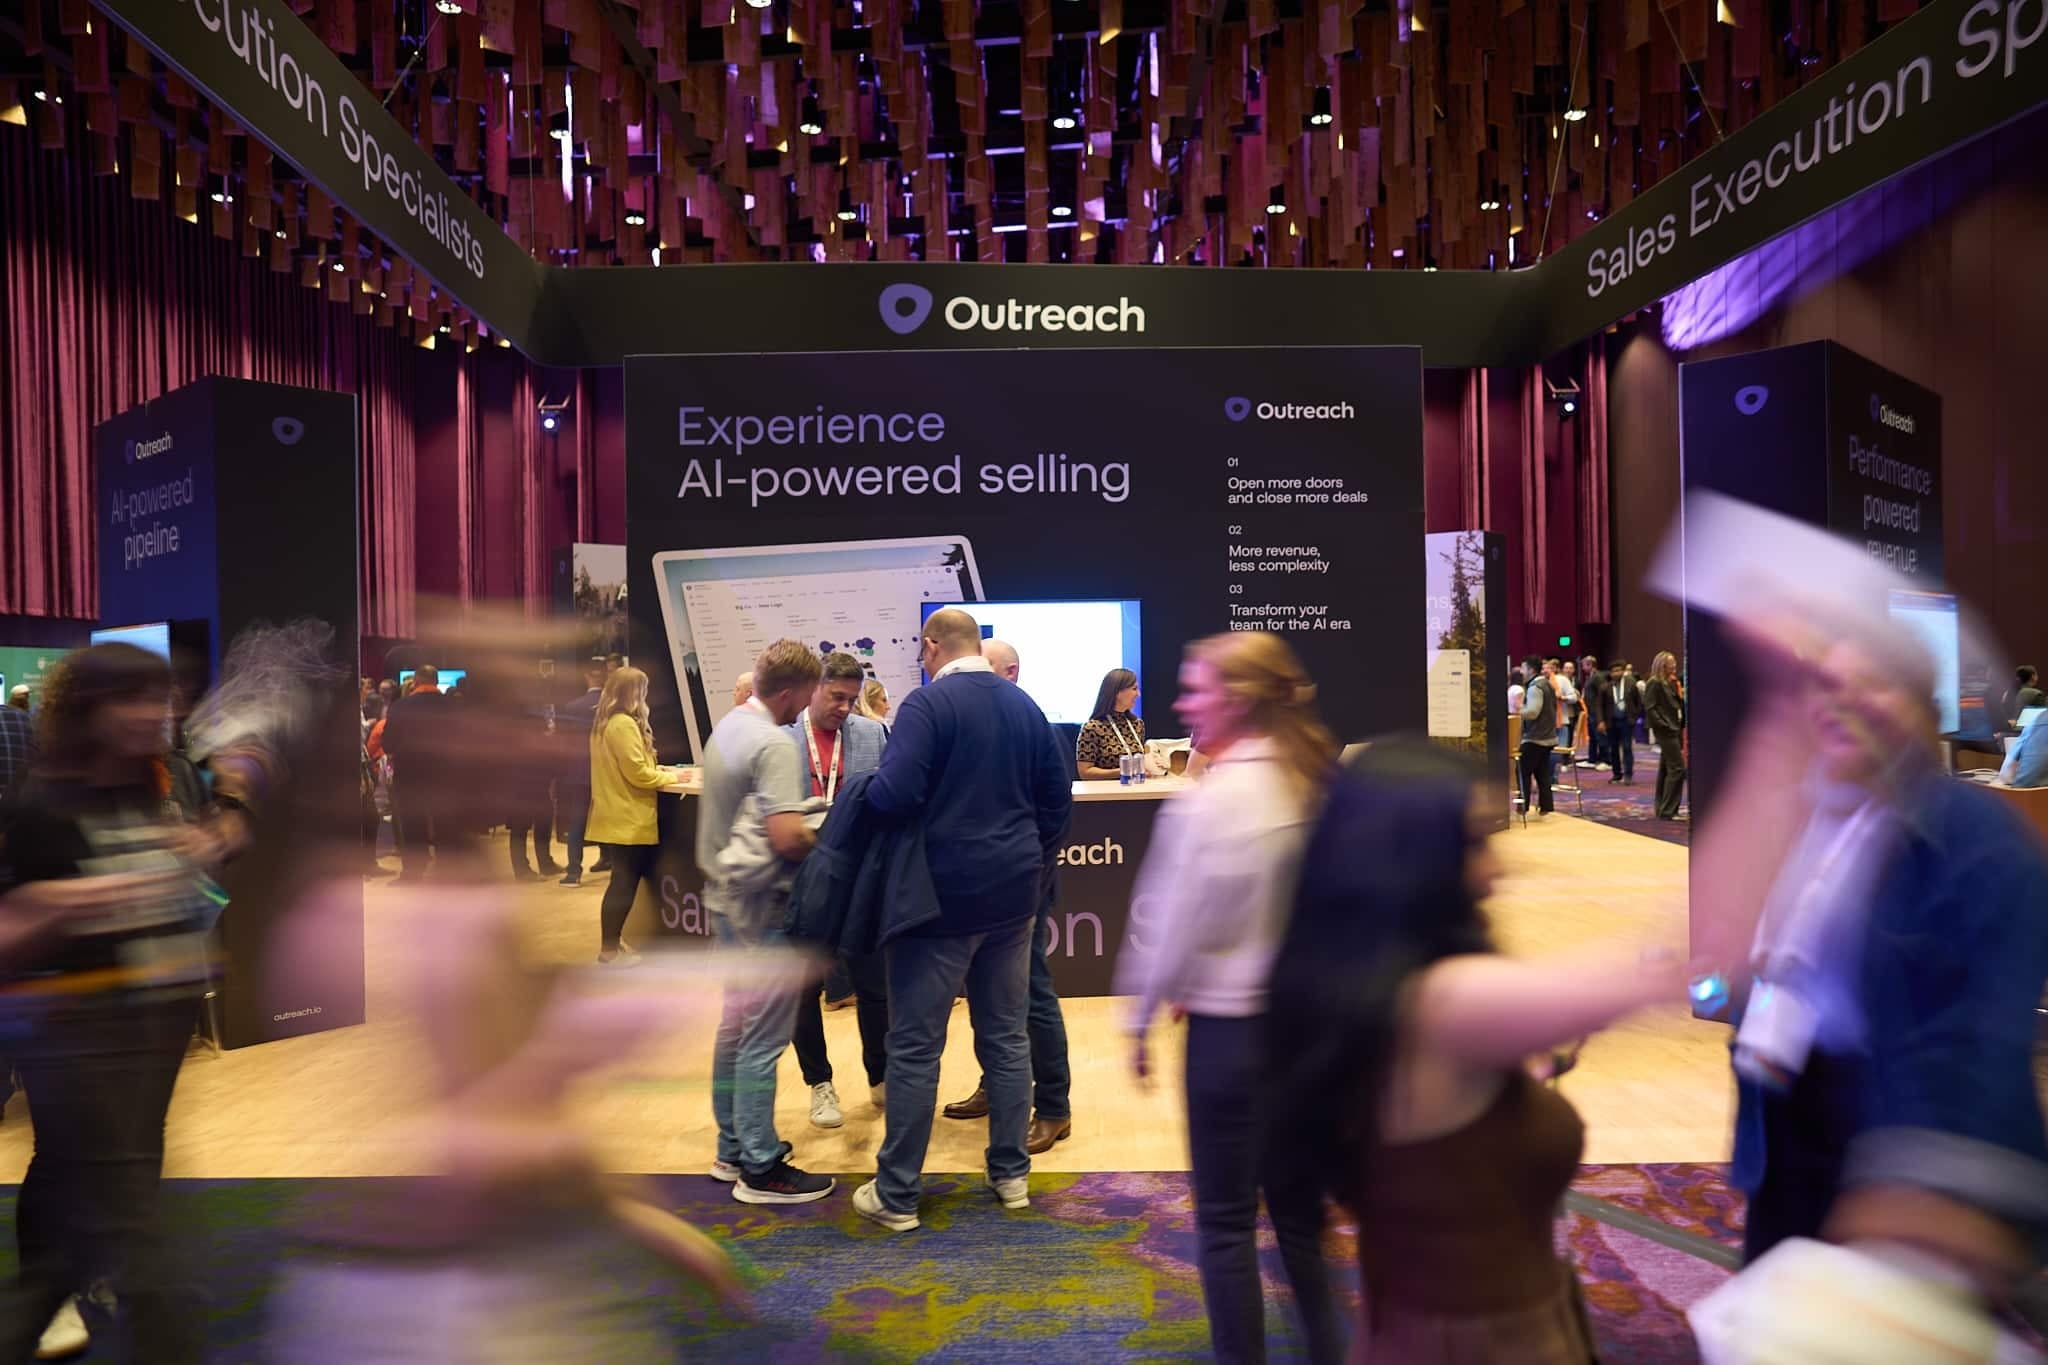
[
  {"x": 753, "y": 1029},
  {"x": 1052, "y": 1078},
  {"x": 925, "y": 974},
  {"x": 1621, "y": 738}
]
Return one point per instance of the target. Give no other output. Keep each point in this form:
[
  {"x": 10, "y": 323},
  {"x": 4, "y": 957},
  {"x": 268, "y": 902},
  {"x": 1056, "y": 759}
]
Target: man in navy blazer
[
  {"x": 973, "y": 758},
  {"x": 833, "y": 744}
]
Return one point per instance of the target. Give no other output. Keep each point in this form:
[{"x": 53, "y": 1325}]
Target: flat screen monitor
[
  {"x": 154, "y": 637},
  {"x": 449, "y": 677},
  {"x": 1932, "y": 617},
  {"x": 1066, "y": 647}
]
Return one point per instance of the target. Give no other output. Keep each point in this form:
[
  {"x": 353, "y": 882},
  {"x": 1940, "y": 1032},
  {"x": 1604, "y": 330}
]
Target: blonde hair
[
  {"x": 1264, "y": 677},
  {"x": 872, "y": 694},
  {"x": 1664, "y": 666},
  {"x": 625, "y": 694}
]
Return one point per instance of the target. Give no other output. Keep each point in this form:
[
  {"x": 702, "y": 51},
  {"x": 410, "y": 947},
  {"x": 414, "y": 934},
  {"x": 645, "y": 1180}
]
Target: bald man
[
  {"x": 1052, "y": 1114},
  {"x": 742, "y": 688},
  {"x": 972, "y": 759}
]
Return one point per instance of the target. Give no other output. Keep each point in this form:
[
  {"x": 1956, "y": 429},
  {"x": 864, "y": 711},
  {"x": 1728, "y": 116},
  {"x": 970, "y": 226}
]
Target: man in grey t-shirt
[{"x": 750, "y": 836}]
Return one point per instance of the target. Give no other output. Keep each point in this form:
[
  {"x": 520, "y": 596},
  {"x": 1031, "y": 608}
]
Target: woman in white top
[{"x": 1207, "y": 917}]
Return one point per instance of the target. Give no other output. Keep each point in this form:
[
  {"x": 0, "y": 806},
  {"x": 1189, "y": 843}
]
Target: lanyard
[
  {"x": 1777, "y": 924},
  {"x": 828, "y": 783},
  {"x": 1124, "y": 745}
]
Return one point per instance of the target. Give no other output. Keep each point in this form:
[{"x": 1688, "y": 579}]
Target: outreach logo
[
  {"x": 1750, "y": 401},
  {"x": 1891, "y": 417},
  {"x": 1237, "y": 409},
  {"x": 132, "y": 451},
  {"x": 905, "y": 307},
  {"x": 287, "y": 430}
]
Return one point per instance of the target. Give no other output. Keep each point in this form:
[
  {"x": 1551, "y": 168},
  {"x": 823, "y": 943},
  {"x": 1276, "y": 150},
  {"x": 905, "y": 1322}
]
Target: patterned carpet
[
  {"x": 1101, "y": 1268},
  {"x": 1631, "y": 807}
]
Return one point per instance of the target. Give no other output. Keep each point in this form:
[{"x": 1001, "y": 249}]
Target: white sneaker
[
  {"x": 825, "y": 1106},
  {"x": 879, "y": 1094},
  {"x": 65, "y": 1336},
  {"x": 726, "y": 1171},
  {"x": 867, "y": 1202},
  {"x": 626, "y": 956},
  {"x": 1015, "y": 1194}
]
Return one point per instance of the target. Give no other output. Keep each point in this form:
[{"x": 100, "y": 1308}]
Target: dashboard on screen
[
  {"x": 1065, "y": 648},
  {"x": 1933, "y": 618}
]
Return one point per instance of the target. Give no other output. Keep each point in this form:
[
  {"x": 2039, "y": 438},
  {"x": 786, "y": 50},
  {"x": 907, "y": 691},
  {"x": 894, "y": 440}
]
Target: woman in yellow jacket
[{"x": 623, "y": 781}]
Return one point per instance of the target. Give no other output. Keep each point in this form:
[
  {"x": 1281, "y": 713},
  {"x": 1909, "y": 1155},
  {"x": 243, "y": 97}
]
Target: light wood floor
[{"x": 333, "y": 1104}]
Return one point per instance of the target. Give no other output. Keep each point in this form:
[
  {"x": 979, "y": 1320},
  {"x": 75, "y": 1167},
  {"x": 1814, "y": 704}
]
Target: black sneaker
[{"x": 782, "y": 1183}]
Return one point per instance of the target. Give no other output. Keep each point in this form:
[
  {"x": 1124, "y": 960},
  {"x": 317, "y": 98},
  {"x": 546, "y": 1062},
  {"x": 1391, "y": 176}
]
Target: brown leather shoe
[
  {"x": 1045, "y": 1132},
  {"x": 975, "y": 1106}
]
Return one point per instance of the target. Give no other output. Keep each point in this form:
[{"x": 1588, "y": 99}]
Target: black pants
[
  {"x": 1621, "y": 748},
  {"x": 536, "y": 817},
  {"x": 1226, "y": 1082},
  {"x": 871, "y": 1009},
  {"x": 575, "y": 817},
  {"x": 1670, "y": 776},
  {"x": 412, "y": 817},
  {"x": 1537, "y": 760},
  {"x": 631, "y": 865},
  {"x": 1806, "y": 1136},
  {"x": 99, "y": 1072}
]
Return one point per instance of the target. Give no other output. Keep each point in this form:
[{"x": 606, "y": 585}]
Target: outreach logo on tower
[
  {"x": 288, "y": 430},
  {"x": 1891, "y": 417},
  {"x": 905, "y": 307},
  {"x": 1750, "y": 400},
  {"x": 133, "y": 451},
  {"x": 1237, "y": 409}
]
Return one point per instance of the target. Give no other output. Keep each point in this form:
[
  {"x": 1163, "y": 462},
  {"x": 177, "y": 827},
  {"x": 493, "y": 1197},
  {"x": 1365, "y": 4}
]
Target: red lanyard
[{"x": 826, "y": 784}]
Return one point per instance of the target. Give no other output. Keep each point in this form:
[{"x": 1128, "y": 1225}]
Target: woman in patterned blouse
[{"x": 1114, "y": 731}]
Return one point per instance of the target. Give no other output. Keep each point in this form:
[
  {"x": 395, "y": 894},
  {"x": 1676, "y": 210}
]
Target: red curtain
[
  {"x": 110, "y": 302},
  {"x": 1595, "y": 586},
  {"x": 1475, "y": 470},
  {"x": 1535, "y": 495}
]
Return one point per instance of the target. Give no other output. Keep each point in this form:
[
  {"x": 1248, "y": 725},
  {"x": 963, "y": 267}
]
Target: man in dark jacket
[
  {"x": 973, "y": 757},
  {"x": 420, "y": 787},
  {"x": 1539, "y": 733}
]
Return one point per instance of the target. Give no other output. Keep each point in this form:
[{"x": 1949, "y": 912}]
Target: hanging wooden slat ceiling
[{"x": 1467, "y": 134}]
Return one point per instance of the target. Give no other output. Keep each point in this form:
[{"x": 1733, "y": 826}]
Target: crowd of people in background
[{"x": 1575, "y": 713}]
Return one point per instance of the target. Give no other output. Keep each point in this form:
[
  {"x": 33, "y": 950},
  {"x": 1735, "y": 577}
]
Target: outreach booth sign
[{"x": 835, "y": 498}]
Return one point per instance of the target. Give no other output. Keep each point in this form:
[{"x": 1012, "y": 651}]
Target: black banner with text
[{"x": 1179, "y": 493}]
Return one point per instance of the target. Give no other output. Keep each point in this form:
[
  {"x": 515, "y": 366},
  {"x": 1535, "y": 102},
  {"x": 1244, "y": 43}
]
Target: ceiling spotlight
[
  {"x": 558, "y": 127},
  {"x": 1062, "y": 211},
  {"x": 1429, "y": 270},
  {"x": 45, "y": 97},
  {"x": 444, "y": 329},
  {"x": 279, "y": 234},
  {"x": 1574, "y": 115},
  {"x": 1565, "y": 395},
  {"x": 813, "y": 122},
  {"x": 1065, "y": 122},
  {"x": 223, "y": 197},
  {"x": 1320, "y": 116},
  {"x": 1491, "y": 202},
  {"x": 760, "y": 4},
  {"x": 1276, "y": 200},
  {"x": 551, "y": 414},
  {"x": 847, "y": 212},
  {"x": 549, "y": 422},
  {"x": 340, "y": 266},
  {"x": 448, "y": 6},
  {"x": 1594, "y": 214},
  {"x": 1399, "y": 252},
  {"x": 635, "y": 218},
  {"x": 505, "y": 342}
]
